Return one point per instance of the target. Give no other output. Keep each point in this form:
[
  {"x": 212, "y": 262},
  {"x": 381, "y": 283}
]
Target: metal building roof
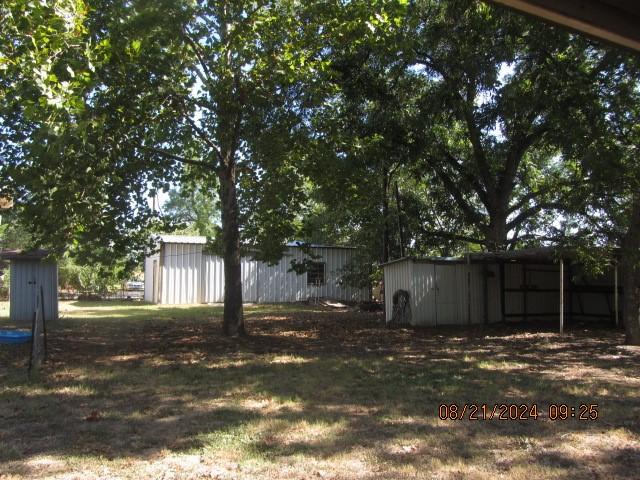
[
  {"x": 196, "y": 239},
  {"x": 299, "y": 243},
  {"x": 426, "y": 260},
  {"x": 525, "y": 255},
  {"x": 18, "y": 254},
  {"x": 183, "y": 239}
]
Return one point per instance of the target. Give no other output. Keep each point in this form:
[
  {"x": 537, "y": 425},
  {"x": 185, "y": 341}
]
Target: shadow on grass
[{"x": 318, "y": 385}]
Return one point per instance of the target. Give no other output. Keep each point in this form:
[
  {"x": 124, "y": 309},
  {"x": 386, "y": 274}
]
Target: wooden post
[
  {"x": 615, "y": 289},
  {"x": 561, "y": 296},
  {"x": 37, "y": 345}
]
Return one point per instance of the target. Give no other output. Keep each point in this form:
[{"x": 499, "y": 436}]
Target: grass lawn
[{"x": 137, "y": 391}]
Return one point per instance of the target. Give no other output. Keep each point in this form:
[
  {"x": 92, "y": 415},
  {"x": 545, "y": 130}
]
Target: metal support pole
[
  {"x": 44, "y": 322},
  {"x": 615, "y": 289},
  {"x": 561, "y": 296}
]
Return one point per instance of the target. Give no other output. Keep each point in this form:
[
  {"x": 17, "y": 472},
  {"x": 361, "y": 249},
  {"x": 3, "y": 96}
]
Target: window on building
[{"x": 315, "y": 273}]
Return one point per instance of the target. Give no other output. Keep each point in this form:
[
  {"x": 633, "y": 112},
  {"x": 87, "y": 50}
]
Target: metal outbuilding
[
  {"x": 30, "y": 272},
  {"x": 442, "y": 291},
  {"x": 182, "y": 272},
  {"x": 518, "y": 285}
]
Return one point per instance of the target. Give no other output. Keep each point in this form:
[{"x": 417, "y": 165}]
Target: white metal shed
[
  {"x": 442, "y": 291},
  {"x": 526, "y": 284},
  {"x": 30, "y": 272},
  {"x": 181, "y": 272}
]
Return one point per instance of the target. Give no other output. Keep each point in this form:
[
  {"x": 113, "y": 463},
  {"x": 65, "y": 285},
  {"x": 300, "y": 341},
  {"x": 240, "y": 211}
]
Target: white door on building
[{"x": 446, "y": 295}]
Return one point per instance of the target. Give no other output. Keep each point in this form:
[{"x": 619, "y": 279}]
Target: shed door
[
  {"x": 23, "y": 290},
  {"x": 446, "y": 295}
]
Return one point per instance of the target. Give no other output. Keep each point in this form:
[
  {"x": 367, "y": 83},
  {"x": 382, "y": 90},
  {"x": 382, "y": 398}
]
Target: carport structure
[{"x": 531, "y": 280}]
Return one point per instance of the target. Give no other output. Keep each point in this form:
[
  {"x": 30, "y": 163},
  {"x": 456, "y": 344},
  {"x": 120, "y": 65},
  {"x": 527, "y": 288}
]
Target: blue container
[{"x": 14, "y": 336}]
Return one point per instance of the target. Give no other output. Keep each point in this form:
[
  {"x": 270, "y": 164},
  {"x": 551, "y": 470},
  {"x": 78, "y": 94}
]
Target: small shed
[
  {"x": 520, "y": 285},
  {"x": 31, "y": 271},
  {"x": 442, "y": 291}
]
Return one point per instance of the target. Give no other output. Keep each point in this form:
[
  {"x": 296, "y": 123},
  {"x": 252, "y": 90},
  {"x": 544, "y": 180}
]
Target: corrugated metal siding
[
  {"x": 181, "y": 273},
  {"x": 494, "y": 310},
  {"x": 469, "y": 284},
  {"x": 398, "y": 276},
  {"x": 212, "y": 279},
  {"x": 513, "y": 301},
  {"x": 249, "y": 280},
  {"x": 439, "y": 292},
  {"x": 26, "y": 276},
  {"x": 189, "y": 276},
  {"x": 424, "y": 294},
  {"x": 449, "y": 294},
  {"x": 277, "y": 284}
]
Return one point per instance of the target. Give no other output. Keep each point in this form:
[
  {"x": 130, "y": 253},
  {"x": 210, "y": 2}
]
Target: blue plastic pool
[{"x": 14, "y": 336}]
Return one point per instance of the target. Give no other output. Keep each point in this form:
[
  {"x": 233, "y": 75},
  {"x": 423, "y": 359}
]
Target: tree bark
[
  {"x": 631, "y": 275},
  {"x": 233, "y": 319},
  {"x": 496, "y": 239}
]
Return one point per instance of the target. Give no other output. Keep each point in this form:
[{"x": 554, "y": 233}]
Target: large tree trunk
[
  {"x": 496, "y": 238},
  {"x": 233, "y": 320},
  {"x": 631, "y": 275}
]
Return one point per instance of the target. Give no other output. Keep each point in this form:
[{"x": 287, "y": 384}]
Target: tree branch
[
  {"x": 471, "y": 214},
  {"x": 228, "y": 38},
  {"x": 465, "y": 114},
  {"x": 533, "y": 195},
  {"x": 237, "y": 124},
  {"x": 204, "y": 137},
  {"x": 178, "y": 158},
  {"x": 515, "y": 154},
  {"x": 205, "y": 76},
  {"x": 532, "y": 236},
  {"x": 472, "y": 179},
  {"x": 531, "y": 211}
]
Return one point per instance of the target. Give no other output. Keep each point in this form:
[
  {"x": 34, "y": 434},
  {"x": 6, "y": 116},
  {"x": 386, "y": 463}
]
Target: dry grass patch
[{"x": 140, "y": 391}]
